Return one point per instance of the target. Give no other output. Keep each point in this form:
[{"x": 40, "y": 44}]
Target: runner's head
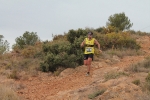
[{"x": 90, "y": 34}]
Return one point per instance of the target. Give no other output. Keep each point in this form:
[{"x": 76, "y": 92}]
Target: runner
[{"x": 89, "y": 50}]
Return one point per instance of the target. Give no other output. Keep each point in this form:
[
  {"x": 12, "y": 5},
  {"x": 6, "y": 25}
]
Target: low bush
[
  {"x": 117, "y": 40},
  {"x": 95, "y": 94},
  {"x": 52, "y": 62},
  {"x": 106, "y": 30},
  {"x": 59, "y": 37},
  {"x": 136, "y": 82},
  {"x": 73, "y": 34},
  {"x": 62, "y": 53}
]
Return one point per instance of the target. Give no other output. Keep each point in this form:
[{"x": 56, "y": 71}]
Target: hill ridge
[{"x": 76, "y": 86}]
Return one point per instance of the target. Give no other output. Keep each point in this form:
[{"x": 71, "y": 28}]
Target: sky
[{"x": 47, "y": 17}]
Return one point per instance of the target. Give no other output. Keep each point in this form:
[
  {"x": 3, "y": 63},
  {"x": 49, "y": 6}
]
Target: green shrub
[
  {"x": 136, "y": 82},
  {"x": 28, "y": 38},
  {"x": 59, "y": 37},
  {"x": 52, "y": 62},
  {"x": 118, "y": 40},
  {"x": 4, "y": 45},
  {"x": 120, "y": 21},
  {"x": 106, "y": 30},
  {"x": 61, "y": 53},
  {"x": 57, "y": 47},
  {"x": 115, "y": 40},
  {"x": 72, "y": 34},
  {"x": 65, "y": 51},
  {"x": 58, "y": 54},
  {"x": 100, "y": 29}
]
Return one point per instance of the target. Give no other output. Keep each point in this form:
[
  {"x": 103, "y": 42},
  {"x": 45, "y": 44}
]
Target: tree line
[{"x": 117, "y": 22}]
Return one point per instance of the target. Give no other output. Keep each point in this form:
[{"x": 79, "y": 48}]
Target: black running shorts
[{"x": 86, "y": 56}]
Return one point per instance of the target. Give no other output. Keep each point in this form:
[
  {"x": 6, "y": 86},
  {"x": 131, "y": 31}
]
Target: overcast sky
[{"x": 47, "y": 17}]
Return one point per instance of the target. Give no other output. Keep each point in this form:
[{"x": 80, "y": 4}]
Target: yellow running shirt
[{"x": 89, "y": 46}]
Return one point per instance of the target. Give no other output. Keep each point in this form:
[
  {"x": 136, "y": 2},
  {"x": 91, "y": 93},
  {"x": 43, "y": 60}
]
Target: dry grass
[
  {"x": 17, "y": 64},
  {"x": 114, "y": 75},
  {"x": 7, "y": 94},
  {"x": 14, "y": 75},
  {"x": 13, "y": 67},
  {"x": 145, "y": 96},
  {"x": 115, "y": 55},
  {"x": 19, "y": 60},
  {"x": 143, "y": 66},
  {"x": 95, "y": 94},
  {"x": 121, "y": 53}
]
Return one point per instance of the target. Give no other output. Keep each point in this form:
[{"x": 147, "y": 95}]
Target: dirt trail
[
  {"x": 39, "y": 88},
  {"x": 43, "y": 87}
]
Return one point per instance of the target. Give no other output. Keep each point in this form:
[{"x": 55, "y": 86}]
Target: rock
[
  {"x": 116, "y": 68},
  {"x": 108, "y": 61},
  {"x": 116, "y": 58}
]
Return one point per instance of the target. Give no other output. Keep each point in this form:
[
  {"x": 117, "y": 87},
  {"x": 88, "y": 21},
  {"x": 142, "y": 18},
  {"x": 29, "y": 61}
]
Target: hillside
[{"x": 72, "y": 84}]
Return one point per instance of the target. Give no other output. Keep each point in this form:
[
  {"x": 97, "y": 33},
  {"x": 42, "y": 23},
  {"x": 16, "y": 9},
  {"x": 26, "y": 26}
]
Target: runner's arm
[
  {"x": 97, "y": 43},
  {"x": 82, "y": 44}
]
